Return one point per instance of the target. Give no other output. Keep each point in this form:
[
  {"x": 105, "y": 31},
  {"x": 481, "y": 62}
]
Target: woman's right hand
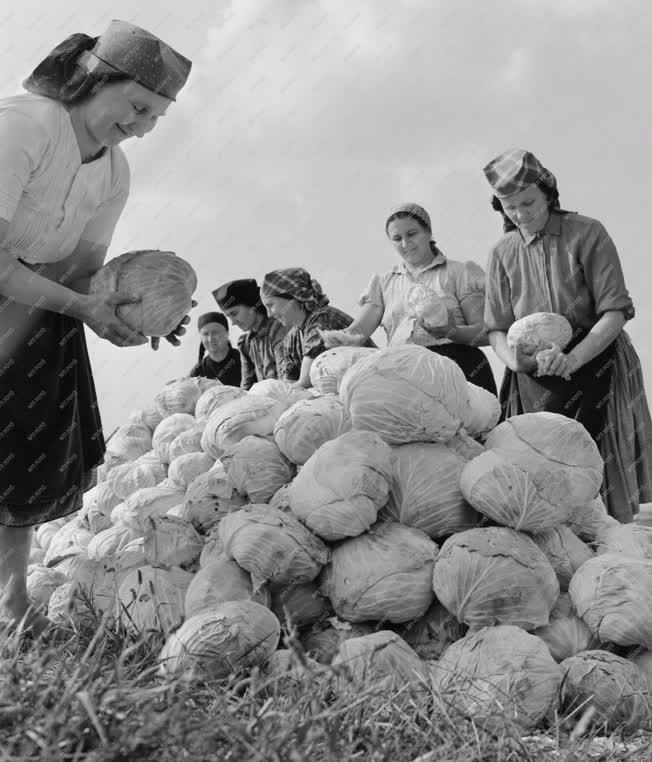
[
  {"x": 523, "y": 362},
  {"x": 99, "y": 314}
]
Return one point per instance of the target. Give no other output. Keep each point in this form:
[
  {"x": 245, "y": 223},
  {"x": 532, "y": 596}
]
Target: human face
[
  {"x": 214, "y": 337},
  {"x": 286, "y": 311},
  {"x": 411, "y": 240},
  {"x": 528, "y": 209},
  {"x": 243, "y": 317},
  {"x": 121, "y": 110}
]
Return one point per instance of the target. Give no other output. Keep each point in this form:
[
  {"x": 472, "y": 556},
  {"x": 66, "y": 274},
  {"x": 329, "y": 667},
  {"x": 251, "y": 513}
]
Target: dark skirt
[
  {"x": 473, "y": 362},
  {"x": 50, "y": 428}
]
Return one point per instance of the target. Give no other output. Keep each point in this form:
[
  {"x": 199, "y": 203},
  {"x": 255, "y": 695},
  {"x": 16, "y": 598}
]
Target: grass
[{"x": 99, "y": 697}]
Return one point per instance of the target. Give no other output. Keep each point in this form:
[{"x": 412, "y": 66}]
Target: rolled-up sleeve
[
  {"x": 604, "y": 275},
  {"x": 23, "y": 143},
  {"x": 498, "y": 311},
  {"x": 373, "y": 294}
]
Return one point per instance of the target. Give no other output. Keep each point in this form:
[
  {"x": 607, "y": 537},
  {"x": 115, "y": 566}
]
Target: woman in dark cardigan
[
  {"x": 64, "y": 181},
  {"x": 218, "y": 359}
]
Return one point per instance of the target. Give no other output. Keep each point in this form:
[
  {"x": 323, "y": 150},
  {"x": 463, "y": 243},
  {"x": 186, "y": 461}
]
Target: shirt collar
[
  {"x": 263, "y": 328},
  {"x": 552, "y": 227},
  {"x": 401, "y": 268}
]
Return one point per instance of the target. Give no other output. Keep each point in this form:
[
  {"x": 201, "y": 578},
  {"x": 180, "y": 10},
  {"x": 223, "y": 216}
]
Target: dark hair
[
  {"x": 552, "y": 195},
  {"x": 404, "y": 216}
]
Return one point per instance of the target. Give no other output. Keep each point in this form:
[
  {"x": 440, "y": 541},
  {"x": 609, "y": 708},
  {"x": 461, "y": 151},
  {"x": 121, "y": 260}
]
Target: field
[{"x": 97, "y": 698}]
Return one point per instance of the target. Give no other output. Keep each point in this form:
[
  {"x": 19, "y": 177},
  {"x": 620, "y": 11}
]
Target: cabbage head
[
  {"x": 493, "y": 576},
  {"x": 406, "y": 394},
  {"x": 565, "y": 551},
  {"x": 383, "y": 574},
  {"x": 566, "y": 634},
  {"x": 257, "y": 468},
  {"x": 209, "y": 497},
  {"x": 232, "y": 422},
  {"x": 327, "y": 370},
  {"x": 167, "y": 431},
  {"x": 218, "y": 581}
]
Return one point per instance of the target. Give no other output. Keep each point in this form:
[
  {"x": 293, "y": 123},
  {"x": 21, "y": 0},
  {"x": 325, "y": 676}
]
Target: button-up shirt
[
  {"x": 261, "y": 352},
  {"x": 452, "y": 281},
  {"x": 571, "y": 268}
]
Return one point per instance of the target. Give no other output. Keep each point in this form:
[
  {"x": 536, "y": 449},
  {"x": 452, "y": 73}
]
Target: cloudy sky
[{"x": 304, "y": 121}]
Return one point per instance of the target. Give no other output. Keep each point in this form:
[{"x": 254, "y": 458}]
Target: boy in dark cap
[
  {"x": 261, "y": 342},
  {"x": 217, "y": 357}
]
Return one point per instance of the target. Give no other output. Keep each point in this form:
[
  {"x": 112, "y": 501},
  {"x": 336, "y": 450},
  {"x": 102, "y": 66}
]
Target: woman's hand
[
  {"x": 553, "y": 362},
  {"x": 440, "y": 332},
  {"x": 522, "y": 361},
  {"x": 173, "y": 336},
  {"x": 99, "y": 314}
]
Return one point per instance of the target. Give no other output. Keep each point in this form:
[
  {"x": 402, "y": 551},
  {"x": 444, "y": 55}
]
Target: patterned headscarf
[
  {"x": 294, "y": 283},
  {"x": 515, "y": 170},
  {"x": 123, "y": 51},
  {"x": 412, "y": 209}
]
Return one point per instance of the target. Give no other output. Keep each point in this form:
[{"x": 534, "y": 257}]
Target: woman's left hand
[
  {"x": 173, "y": 336},
  {"x": 553, "y": 362}
]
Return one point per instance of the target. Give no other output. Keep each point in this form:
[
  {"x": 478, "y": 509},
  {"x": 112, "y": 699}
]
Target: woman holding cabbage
[
  {"x": 64, "y": 182},
  {"x": 426, "y": 299},
  {"x": 554, "y": 261}
]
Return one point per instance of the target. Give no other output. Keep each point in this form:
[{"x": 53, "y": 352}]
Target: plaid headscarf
[
  {"x": 412, "y": 209},
  {"x": 515, "y": 170},
  {"x": 294, "y": 283}
]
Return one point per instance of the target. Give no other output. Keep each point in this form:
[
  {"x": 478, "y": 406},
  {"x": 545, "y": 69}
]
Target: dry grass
[{"x": 99, "y": 698}]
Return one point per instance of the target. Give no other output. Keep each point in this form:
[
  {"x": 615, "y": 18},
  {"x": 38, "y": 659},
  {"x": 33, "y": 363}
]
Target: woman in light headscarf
[
  {"x": 64, "y": 182},
  {"x": 458, "y": 285},
  {"x": 296, "y": 299},
  {"x": 552, "y": 260}
]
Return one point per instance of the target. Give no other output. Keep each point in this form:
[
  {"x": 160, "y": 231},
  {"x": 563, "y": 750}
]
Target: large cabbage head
[
  {"x": 97, "y": 506},
  {"x": 590, "y": 520},
  {"x": 611, "y": 685},
  {"x": 109, "y": 542},
  {"x": 384, "y": 574},
  {"x": 184, "y": 469},
  {"x": 209, "y": 497},
  {"x": 227, "y": 638},
  {"x": 71, "y": 539},
  {"x": 42, "y": 582},
  {"x": 215, "y": 397},
  {"x": 381, "y": 660},
  {"x": 219, "y": 581},
  {"x": 252, "y": 414},
  {"x": 425, "y": 493},
  {"x": 340, "y": 489},
  {"x": 566, "y": 634},
  {"x": 535, "y": 332},
  {"x": 145, "y": 503},
  {"x": 179, "y": 397},
  {"x": 327, "y": 370},
  {"x": 257, "y": 468},
  {"x": 167, "y": 431},
  {"x": 186, "y": 442},
  {"x": 500, "y": 675},
  {"x": 46, "y": 532},
  {"x": 565, "y": 551},
  {"x": 150, "y": 416},
  {"x": 493, "y": 576},
  {"x": 613, "y": 595},
  {"x": 308, "y": 424},
  {"x": 406, "y": 394},
  {"x": 163, "y": 283},
  {"x": 271, "y": 545},
  {"x": 151, "y": 600},
  {"x": 126, "y": 479},
  {"x": 171, "y": 541},
  {"x": 552, "y": 448}
]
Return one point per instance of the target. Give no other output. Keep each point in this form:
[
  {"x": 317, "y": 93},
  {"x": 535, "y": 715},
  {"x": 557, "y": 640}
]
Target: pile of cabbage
[{"x": 384, "y": 518}]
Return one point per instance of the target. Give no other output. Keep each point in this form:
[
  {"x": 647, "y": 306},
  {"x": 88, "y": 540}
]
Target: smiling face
[
  {"x": 411, "y": 240},
  {"x": 214, "y": 337},
  {"x": 121, "y": 110},
  {"x": 528, "y": 209},
  {"x": 287, "y": 311}
]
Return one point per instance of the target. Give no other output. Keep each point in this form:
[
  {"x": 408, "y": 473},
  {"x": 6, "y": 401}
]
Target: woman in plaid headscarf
[
  {"x": 296, "y": 299},
  {"x": 457, "y": 286},
  {"x": 552, "y": 260}
]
